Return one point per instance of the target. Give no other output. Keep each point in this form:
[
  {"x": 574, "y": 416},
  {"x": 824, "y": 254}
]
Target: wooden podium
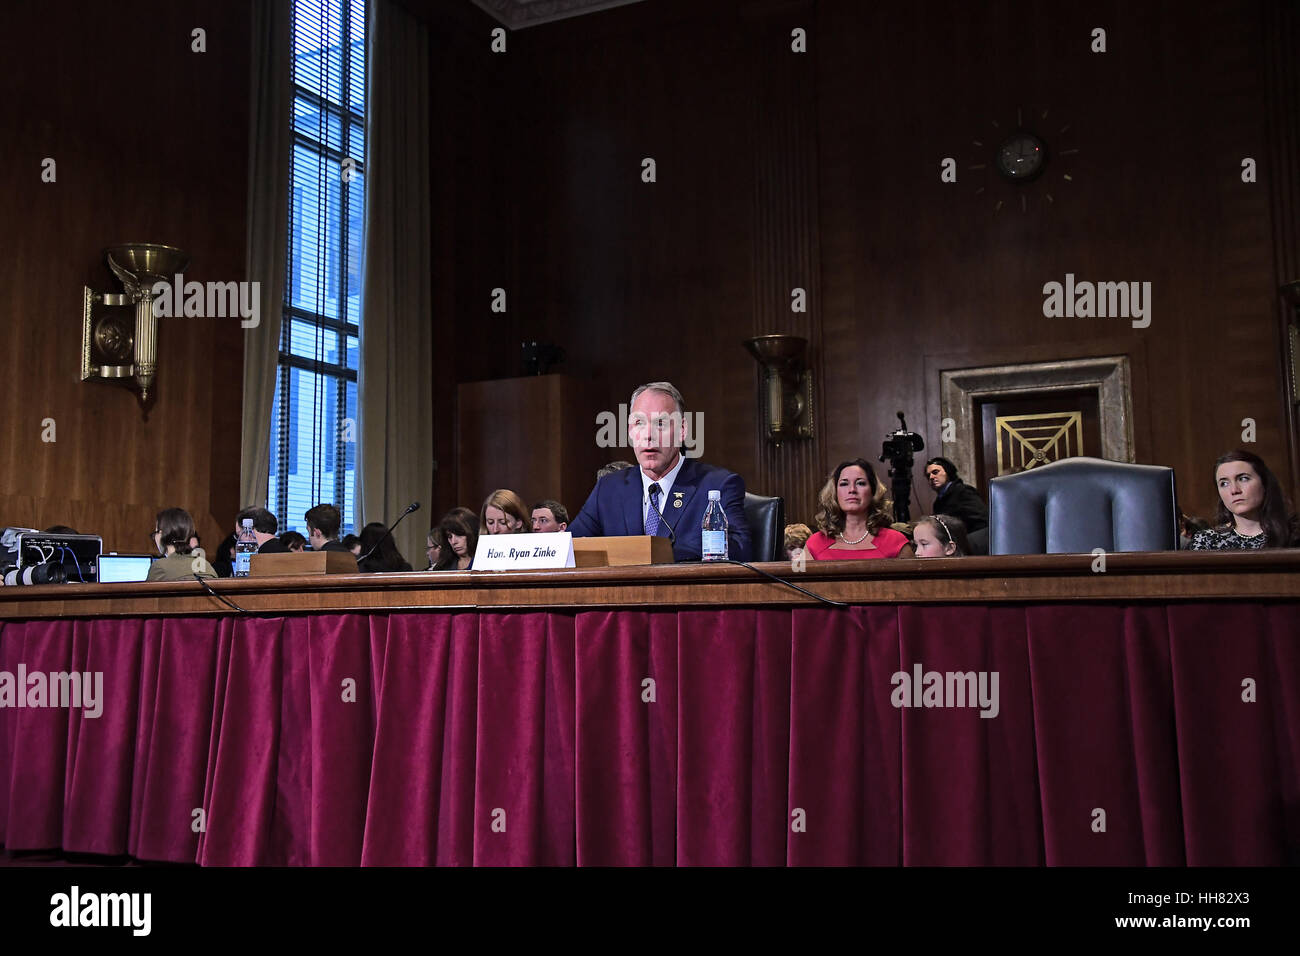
[
  {"x": 622, "y": 551},
  {"x": 303, "y": 562}
]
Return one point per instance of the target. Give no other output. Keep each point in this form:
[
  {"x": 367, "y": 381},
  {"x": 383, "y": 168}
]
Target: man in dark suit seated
[
  {"x": 323, "y": 524},
  {"x": 668, "y": 493},
  {"x": 264, "y": 529},
  {"x": 960, "y": 500}
]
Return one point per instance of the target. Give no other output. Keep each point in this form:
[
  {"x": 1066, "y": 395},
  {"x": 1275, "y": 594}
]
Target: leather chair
[
  {"x": 1077, "y": 504},
  {"x": 766, "y": 520}
]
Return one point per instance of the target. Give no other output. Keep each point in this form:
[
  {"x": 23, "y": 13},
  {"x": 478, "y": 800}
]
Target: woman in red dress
[{"x": 852, "y": 524}]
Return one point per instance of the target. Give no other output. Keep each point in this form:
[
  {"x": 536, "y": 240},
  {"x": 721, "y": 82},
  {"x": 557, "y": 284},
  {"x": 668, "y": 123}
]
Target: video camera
[
  {"x": 28, "y": 556},
  {"x": 898, "y": 450}
]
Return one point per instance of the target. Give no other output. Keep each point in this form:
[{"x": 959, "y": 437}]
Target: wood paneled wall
[
  {"x": 775, "y": 170},
  {"x": 530, "y": 435},
  {"x": 472, "y": 129},
  {"x": 150, "y": 142},
  {"x": 822, "y": 170},
  {"x": 1282, "y": 39}
]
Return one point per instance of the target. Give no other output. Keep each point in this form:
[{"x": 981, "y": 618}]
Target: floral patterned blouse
[{"x": 1226, "y": 539}]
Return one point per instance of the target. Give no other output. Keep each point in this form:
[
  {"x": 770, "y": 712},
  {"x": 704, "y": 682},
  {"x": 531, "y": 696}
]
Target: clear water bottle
[
  {"x": 713, "y": 537},
  {"x": 245, "y": 548}
]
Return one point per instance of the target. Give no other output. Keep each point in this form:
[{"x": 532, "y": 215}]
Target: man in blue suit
[{"x": 668, "y": 493}]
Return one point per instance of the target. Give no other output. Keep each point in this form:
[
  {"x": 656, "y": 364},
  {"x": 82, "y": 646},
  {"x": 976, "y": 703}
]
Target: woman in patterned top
[{"x": 1252, "y": 511}]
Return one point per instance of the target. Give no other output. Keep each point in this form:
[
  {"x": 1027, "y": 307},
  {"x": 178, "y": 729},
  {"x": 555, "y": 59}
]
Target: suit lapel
[
  {"x": 632, "y": 501},
  {"x": 685, "y": 486}
]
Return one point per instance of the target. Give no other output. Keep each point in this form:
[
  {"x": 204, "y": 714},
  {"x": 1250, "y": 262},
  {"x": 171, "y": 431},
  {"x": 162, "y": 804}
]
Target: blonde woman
[{"x": 504, "y": 512}]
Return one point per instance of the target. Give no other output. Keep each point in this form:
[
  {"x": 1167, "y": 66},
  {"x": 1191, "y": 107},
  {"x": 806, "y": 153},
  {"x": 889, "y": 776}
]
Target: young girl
[{"x": 940, "y": 536}]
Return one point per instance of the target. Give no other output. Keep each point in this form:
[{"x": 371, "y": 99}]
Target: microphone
[
  {"x": 413, "y": 506},
  {"x": 663, "y": 521}
]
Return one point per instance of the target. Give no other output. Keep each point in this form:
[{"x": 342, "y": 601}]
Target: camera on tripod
[{"x": 898, "y": 450}]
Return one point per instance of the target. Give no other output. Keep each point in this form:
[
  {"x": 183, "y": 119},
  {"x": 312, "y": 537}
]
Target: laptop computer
[{"x": 124, "y": 568}]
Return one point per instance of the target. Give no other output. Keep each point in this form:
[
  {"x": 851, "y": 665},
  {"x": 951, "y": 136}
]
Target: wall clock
[
  {"x": 1021, "y": 158},
  {"x": 1023, "y": 163}
]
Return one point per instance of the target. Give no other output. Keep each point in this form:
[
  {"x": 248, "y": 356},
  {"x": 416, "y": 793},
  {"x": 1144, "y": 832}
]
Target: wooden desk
[
  {"x": 670, "y": 715},
  {"x": 1164, "y": 576}
]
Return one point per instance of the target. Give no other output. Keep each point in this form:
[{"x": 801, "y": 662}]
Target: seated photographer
[
  {"x": 940, "y": 536},
  {"x": 173, "y": 530},
  {"x": 956, "y": 498},
  {"x": 853, "y": 524}
]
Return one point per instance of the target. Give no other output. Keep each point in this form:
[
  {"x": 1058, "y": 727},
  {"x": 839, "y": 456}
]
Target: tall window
[{"x": 314, "y": 413}]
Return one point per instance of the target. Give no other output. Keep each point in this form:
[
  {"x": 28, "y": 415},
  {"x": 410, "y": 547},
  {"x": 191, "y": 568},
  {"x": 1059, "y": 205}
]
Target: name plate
[{"x": 524, "y": 552}]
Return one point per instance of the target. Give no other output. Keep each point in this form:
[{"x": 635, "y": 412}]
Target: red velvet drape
[{"x": 730, "y": 736}]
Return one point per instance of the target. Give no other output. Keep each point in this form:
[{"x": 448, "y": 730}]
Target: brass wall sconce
[
  {"x": 788, "y": 386},
  {"x": 113, "y": 347}
]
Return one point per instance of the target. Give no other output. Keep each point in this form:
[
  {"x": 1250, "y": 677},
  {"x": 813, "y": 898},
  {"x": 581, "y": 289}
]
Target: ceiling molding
[{"x": 517, "y": 14}]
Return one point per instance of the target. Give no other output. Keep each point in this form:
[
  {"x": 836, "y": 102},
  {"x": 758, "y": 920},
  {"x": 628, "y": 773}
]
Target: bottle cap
[
  {"x": 248, "y": 523},
  {"x": 715, "y": 495}
]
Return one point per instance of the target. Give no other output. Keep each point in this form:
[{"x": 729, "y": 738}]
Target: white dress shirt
[{"x": 665, "y": 485}]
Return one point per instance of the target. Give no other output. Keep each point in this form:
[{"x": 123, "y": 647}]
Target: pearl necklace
[{"x": 859, "y": 541}]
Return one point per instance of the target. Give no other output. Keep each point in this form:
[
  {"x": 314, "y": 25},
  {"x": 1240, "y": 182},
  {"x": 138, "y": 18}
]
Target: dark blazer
[
  {"x": 272, "y": 546},
  {"x": 334, "y": 544},
  {"x": 614, "y": 508},
  {"x": 964, "y": 502}
]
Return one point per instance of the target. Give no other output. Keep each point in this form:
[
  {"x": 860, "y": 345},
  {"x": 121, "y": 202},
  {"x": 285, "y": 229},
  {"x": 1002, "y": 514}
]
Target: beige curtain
[
  {"x": 268, "y": 216},
  {"x": 395, "y": 398}
]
